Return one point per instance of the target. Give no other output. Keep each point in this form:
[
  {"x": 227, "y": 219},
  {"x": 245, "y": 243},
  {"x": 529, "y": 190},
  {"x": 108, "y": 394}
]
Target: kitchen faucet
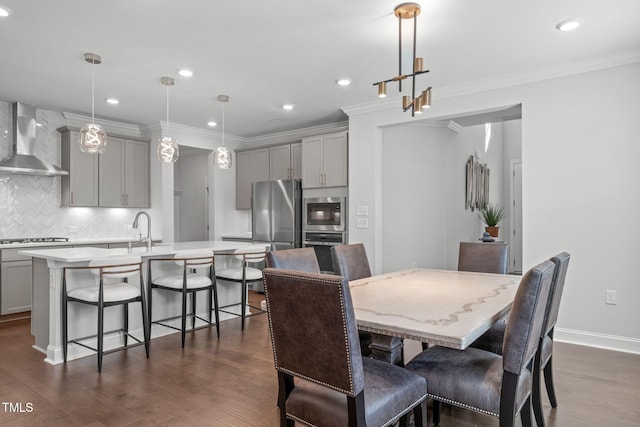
[{"x": 135, "y": 225}]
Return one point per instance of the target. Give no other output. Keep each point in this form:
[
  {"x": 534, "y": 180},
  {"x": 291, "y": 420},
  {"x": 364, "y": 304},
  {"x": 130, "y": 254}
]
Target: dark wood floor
[{"x": 232, "y": 382}]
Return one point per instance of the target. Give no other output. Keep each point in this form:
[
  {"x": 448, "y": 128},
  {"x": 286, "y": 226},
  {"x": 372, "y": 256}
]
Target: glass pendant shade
[
  {"x": 93, "y": 139},
  {"x": 167, "y": 150},
  {"x": 223, "y": 158}
]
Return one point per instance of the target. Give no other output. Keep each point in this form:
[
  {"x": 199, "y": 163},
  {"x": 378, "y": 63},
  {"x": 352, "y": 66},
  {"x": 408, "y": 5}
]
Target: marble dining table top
[{"x": 440, "y": 307}]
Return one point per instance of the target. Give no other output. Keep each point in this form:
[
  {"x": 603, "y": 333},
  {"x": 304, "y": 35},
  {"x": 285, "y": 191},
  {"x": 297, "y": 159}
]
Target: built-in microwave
[{"x": 324, "y": 214}]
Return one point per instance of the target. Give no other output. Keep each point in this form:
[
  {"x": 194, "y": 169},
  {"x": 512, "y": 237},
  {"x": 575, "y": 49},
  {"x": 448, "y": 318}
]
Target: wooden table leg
[{"x": 388, "y": 349}]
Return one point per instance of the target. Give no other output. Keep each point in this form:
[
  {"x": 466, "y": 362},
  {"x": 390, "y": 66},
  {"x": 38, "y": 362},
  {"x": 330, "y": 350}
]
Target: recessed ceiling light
[
  {"x": 568, "y": 25},
  {"x": 288, "y": 107},
  {"x": 344, "y": 82},
  {"x": 4, "y": 11},
  {"x": 112, "y": 101},
  {"x": 212, "y": 124},
  {"x": 185, "y": 72}
]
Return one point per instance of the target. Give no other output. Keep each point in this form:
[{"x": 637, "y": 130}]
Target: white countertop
[
  {"x": 163, "y": 249},
  {"x": 93, "y": 241}
]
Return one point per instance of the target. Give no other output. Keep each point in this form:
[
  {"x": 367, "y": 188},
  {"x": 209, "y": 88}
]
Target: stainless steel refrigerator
[{"x": 276, "y": 208}]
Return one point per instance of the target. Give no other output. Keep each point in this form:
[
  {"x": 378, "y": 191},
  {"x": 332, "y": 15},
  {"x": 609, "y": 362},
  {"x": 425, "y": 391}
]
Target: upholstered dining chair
[
  {"x": 241, "y": 271},
  {"x": 493, "y": 339},
  {"x": 180, "y": 274},
  {"x": 334, "y": 386},
  {"x": 351, "y": 262},
  {"x": 486, "y": 382},
  {"x": 298, "y": 259},
  {"x": 483, "y": 257},
  {"x": 110, "y": 287}
]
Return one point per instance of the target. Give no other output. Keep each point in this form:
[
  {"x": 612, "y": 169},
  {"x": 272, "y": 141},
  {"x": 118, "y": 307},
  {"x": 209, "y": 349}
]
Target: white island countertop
[{"x": 162, "y": 249}]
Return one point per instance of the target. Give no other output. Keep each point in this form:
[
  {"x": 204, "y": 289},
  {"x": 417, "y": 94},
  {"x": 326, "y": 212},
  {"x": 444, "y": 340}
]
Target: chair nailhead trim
[{"x": 462, "y": 405}]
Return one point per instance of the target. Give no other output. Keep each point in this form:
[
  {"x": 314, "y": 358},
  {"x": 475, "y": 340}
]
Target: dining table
[{"x": 437, "y": 307}]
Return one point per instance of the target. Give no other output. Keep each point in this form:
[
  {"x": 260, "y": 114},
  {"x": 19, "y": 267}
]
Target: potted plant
[{"x": 492, "y": 215}]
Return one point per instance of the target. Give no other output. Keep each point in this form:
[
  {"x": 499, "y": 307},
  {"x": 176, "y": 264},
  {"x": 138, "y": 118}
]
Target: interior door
[{"x": 516, "y": 218}]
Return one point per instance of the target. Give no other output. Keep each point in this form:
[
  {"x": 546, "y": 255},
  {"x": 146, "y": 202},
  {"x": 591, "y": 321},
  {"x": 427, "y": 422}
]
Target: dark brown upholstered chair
[
  {"x": 180, "y": 275},
  {"x": 299, "y": 259},
  {"x": 110, "y": 287},
  {"x": 485, "y": 257},
  {"x": 492, "y": 340},
  {"x": 351, "y": 262},
  {"x": 335, "y": 386},
  {"x": 486, "y": 382}
]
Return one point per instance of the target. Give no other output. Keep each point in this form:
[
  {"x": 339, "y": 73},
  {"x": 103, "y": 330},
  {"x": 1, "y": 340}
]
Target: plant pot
[{"x": 493, "y": 231}]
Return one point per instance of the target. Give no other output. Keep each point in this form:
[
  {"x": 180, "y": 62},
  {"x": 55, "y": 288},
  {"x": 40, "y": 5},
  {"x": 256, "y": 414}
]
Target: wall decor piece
[{"x": 477, "y": 184}]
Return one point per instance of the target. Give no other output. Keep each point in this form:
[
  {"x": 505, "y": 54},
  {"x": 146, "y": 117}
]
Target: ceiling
[{"x": 263, "y": 54}]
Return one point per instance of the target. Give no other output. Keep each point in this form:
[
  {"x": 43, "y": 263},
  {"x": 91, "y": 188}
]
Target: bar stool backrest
[
  {"x": 196, "y": 260},
  {"x": 249, "y": 255},
  {"x": 118, "y": 268}
]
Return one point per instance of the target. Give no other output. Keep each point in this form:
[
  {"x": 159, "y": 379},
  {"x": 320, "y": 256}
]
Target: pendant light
[
  {"x": 223, "y": 154},
  {"x": 167, "y": 147},
  {"x": 93, "y": 138}
]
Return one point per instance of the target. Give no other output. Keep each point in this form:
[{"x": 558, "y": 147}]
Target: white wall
[
  {"x": 423, "y": 192},
  {"x": 579, "y": 151}
]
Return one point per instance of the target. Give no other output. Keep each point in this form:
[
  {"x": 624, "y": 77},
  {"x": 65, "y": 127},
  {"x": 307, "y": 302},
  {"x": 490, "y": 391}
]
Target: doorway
[{"x": 191, "y": 196}]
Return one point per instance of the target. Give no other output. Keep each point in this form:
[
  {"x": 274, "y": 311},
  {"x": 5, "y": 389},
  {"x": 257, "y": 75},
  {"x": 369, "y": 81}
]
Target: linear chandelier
[{"x": 416, "y": 104}]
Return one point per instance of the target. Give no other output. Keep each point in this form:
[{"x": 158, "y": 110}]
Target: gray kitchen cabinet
[
  {"x": 324, "y": 160},
  {"x": 80, "y": 187},
  {"x": 251, "y": 166},
  {"x": 285, "y": 161},
  {"x": 124, "y": 174},
  {"x": 15, "y": 282}
]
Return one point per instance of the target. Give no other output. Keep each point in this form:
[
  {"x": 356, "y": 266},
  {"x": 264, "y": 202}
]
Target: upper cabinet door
[
  {"x": 280, "y": 162},
  {"x": 80, "y": 187},
  {"x": 296, "y": 161},
  {"x": 324, "y": 160},
  {"x": 335, "y": 160},
  {"x": 112, "y": 174},
  {"x": 136, "y": 174},
  {"x": 312, "y": 172},
  {"x": 251, "y": 166}
]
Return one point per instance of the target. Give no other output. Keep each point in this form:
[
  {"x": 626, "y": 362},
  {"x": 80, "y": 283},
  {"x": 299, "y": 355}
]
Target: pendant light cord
[
  {"x": 168, "y": 110},
  {"x": 93, "y": 98},
  {"x": 223, "y": 124}
]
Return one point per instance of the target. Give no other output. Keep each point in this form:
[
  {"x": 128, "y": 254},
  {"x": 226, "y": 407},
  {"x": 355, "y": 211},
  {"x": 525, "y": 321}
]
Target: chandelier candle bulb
[
  {"x": 382, "y": 89},
  {"x": 418, "y": 65},
  {"x": 406, "y": 102}
]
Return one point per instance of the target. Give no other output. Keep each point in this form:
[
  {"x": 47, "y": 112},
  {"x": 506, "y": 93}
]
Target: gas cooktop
[{"x": 34, "y": 240}]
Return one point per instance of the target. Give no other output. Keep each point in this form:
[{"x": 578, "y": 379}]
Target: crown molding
[
  {"x": 508, "y": 80},
  {"x": 110, "y": 126},
  {"x": 296, "y": 135},
  {"x": 161, "y": 125}
]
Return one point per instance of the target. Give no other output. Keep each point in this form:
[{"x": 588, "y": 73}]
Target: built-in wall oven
[{"x": 324, "y": 226}]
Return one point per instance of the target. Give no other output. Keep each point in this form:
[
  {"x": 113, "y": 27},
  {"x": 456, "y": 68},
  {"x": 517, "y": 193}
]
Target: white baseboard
[{"x": 592, "y": 339}]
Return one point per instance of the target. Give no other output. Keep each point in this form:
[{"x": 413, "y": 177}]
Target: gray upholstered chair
[
  {"x": 351, "y": 262},
  {"x": 486, "y": 382},
  {"x": 483, "y": 257},
  {"x": 492, "y": 340},
  {"x": 335, "y": 386},
  {"x": 299, "y": 259},
  {"x": 110, "y": 286},
  {"x": 180, "y": 274}
]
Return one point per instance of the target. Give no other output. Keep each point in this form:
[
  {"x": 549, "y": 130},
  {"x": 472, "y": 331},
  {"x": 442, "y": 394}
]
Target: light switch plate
[
  {"x": 362, "y": 223},
  {"x": 362, "y": 210}
]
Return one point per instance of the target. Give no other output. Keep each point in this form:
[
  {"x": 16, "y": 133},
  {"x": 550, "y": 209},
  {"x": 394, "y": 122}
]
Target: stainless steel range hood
[{"x": 23, "y": 161}]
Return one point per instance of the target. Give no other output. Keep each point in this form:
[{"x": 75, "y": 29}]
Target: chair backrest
[
  {"x": 299, "y": 259},
  {"x": 485, "y": 257},
  {"x": 249, "y": 255},
  {"x": 557, "y": 285},
  {"x": 194, "y": 260},
  {"x": 308, "y": 310},
  {"x": 350, "y": 261},
  {"x": 118, "y": 268},
  {"x": 524, "y": 326}
]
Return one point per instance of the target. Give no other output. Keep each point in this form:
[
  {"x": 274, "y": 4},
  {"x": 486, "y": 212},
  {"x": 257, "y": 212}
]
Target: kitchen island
[{"x": 46, "y": 312}]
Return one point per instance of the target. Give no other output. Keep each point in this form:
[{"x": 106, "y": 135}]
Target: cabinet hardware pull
[{"x": 72, "y": 198}]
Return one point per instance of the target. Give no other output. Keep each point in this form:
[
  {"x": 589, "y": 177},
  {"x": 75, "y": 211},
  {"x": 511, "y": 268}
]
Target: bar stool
[
  {"x": 111, "y": 287},
  {"x": 244, "y": 274},
  {"x": 184, "y": 278}
]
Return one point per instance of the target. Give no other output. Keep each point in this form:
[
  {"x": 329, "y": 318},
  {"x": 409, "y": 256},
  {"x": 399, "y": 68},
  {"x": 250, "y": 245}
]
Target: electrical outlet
[{"x": 610, "y": 297}]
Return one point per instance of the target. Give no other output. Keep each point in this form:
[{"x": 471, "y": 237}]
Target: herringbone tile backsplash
[{"x": 30, "y": 205}]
